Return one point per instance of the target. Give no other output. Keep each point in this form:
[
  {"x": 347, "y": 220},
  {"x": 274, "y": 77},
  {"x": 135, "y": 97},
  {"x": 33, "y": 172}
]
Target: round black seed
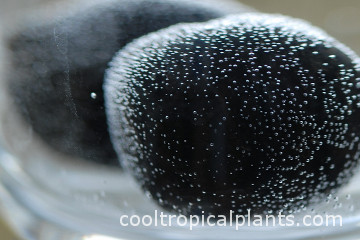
[
  {"x": 252, "y": 112},
  {"x": 57, "y": 84}
]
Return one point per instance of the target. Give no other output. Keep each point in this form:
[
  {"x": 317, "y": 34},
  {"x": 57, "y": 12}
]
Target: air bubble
[{"x": 93, "y": 95}]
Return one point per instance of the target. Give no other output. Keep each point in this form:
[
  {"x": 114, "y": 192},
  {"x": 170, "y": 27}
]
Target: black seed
[
  {"x": 57, "y": 85},
  {"x": 252, "y": 112}
]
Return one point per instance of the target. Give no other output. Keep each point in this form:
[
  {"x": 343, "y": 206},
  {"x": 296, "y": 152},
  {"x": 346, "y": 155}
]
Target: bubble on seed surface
[
  {"x": 260, "y": 121},
  {"x": 93, "y": 95}
]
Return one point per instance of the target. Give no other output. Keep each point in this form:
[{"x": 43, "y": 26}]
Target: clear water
[{"x": 51, "y": 196}]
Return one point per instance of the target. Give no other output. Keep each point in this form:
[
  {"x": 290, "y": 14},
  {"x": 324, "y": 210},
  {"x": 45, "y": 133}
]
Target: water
[{"x": 51, "y": 195}]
